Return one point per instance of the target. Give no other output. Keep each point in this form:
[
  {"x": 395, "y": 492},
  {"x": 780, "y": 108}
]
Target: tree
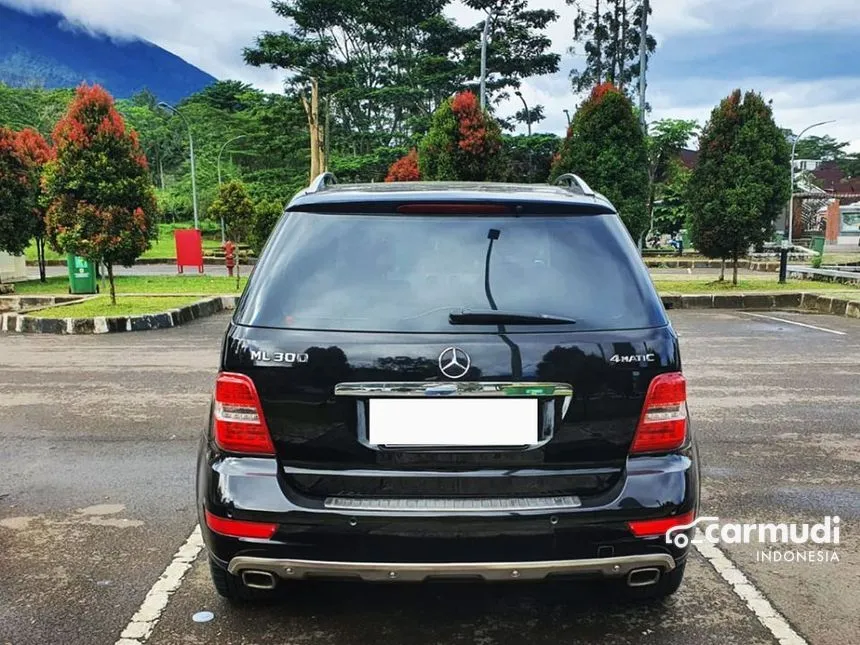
[
  {"x": 17, "y": 196},
  {"x": 35, "y": 152},
  {"x": 665, "y": 140},
  {"x": 529, "y": 159},
  {"x": 610, "y": 33},
  {"x": 850, "y": 164},
  {"x": 824, "y": 148},
  {"x": 382, "y": 66},
  {"x": 606, "y": 147},
  {"x": 102, "y": 204},
  {"x": 738, "y": 187},
  {"x": 463, "y": 144},
  {"x": 405, "y": 168},
  {"x": 534, "y": 115},
  {"x": 266, "y": 215},
  {"x": 670, "y": 206},
  {"x": 517, "y": 45},
  {"x": 237, "y": 211}
]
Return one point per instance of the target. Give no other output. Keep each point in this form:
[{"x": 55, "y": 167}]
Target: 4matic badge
[
  {"x": 290, "y": 358},
  {"x": 633, "y": 358}
]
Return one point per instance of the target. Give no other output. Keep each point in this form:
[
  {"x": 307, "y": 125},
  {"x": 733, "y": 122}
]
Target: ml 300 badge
[{"x": 290, "y": 358}]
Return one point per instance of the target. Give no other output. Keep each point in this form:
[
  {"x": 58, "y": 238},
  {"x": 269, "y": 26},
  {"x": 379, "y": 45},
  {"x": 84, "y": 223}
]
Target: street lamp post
[
  {"x": 484, "y": 36},
  {"x": 528, "y": 114},
  {"x": 529, "y": 126},
  {"x": 220, "y": 152},
  {"x": 791, "y": 170},
  {"x": 170, "y": 108}
]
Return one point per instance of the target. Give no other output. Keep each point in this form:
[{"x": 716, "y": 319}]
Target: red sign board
[{"x": 189, "y": 248}]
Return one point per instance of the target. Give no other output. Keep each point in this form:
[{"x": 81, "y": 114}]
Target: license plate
[{"x": 453, "y": 422}]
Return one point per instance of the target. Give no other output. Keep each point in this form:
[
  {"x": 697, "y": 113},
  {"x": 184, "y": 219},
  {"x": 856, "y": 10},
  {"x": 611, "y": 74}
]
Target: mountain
[{"x": 44, "y": 50}]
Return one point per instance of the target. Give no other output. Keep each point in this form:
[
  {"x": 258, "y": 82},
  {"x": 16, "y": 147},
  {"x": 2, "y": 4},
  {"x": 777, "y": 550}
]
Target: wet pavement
[{"x": 97, "y": 443}]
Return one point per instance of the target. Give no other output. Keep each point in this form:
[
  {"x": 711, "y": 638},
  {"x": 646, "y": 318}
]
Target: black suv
[{"x": 448, "y": 380}]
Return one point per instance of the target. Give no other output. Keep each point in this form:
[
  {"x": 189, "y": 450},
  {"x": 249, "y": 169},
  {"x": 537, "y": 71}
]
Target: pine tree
[
  {"x": 737, "y": 189},
  {"x": 606, "y": 147}
]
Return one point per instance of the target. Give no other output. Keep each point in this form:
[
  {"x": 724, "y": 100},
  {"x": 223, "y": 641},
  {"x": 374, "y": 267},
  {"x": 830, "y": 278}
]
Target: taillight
[
  {"x": 240, "y": 528},
  {"x": 648, "y": 528},
  {"x": 239, "y": 422},
  {"x": 663, "y": 424}
]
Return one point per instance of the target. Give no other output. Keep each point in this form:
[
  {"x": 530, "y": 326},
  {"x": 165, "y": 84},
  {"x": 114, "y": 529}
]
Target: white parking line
[
  {"x": 766, "y": 614},
  {"x": 794, "y": 322},
  {"x": 139, "y": 629},
  {"x": 143, "y": 622}
]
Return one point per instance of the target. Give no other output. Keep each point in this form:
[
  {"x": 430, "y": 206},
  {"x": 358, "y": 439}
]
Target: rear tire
[
  {"x": 665, "y": 586},
  {"x": 230, "y": 587}
]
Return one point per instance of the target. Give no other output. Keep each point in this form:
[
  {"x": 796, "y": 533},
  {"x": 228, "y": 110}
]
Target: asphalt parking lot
[{"x": 97, "y": 445}]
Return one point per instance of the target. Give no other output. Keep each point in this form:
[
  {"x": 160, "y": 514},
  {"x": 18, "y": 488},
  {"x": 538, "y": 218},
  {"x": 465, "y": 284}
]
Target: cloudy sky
[{"x": 802, "y": 54}]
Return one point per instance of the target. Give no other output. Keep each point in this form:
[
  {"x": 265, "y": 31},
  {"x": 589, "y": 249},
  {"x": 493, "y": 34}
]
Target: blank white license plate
[{"x": 453, "y": 422}]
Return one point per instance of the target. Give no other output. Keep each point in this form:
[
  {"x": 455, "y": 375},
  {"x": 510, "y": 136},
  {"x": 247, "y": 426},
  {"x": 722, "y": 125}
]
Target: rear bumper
[
  {"x": 420, "y": 571},
  {"x": 572, "y": 540}
]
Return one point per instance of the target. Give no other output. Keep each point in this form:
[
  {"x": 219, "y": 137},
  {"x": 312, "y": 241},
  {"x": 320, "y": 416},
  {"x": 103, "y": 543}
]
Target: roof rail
[
  {"x": 321, "y": 181},
  {"x": 574, "y": 182}
]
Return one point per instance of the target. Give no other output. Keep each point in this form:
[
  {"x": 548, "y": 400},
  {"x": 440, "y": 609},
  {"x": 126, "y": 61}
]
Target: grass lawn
[
  {"x": 164, "y": 248},
  {"x": 141, "y": 284},
  {"x": 752, "y": 285},
  {"x": 840, "y": 258},
  {"x": 125, "y": 306},
  {"x": 195, "y": 284}
]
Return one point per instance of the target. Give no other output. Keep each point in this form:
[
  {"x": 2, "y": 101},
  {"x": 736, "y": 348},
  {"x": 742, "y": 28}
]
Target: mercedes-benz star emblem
[{"x": 454, "y": 362}]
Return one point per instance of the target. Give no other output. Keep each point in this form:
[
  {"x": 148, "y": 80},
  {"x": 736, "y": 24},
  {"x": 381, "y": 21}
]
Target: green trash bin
[
  {"x": 818, "y": 245},
  {"x": 83, "y": 277}
]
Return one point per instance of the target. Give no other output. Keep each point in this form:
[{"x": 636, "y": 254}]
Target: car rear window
[{"x": 402, "y": 273}]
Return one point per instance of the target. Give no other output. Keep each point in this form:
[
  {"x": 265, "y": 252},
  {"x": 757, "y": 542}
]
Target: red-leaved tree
[
  {"x": 102, "y": 203},
  {"x": 405, "y": 168},
  {"x": 463, "y": 143},
  {"x": 22, "y": 157},
  {"x": 36, "y": 153}
]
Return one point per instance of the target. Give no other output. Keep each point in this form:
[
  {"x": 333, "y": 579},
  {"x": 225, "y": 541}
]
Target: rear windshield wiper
[{"x": 497, "y": 317}]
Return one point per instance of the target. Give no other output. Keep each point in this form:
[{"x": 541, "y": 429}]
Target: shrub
[
  {"x": 405, "y": 168},
  {"x": 463, "y": 143}
]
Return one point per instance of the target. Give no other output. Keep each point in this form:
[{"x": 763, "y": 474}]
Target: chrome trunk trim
[
  {"x": 453, "y": 505},
  {"x": 419, "y": 571},
  {"x": 451, "y": 388}
]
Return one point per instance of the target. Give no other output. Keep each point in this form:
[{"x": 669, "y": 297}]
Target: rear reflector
[
  {"x": 240, "y": 528},
  {"x": 453, "y": 209},
  {"x": 663, "y": 424},
  {"x": 239, "y": 423},
  {"x": 648, "y": 528}
]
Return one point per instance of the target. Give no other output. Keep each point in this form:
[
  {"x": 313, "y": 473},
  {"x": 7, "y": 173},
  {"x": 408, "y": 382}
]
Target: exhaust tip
[
  {"x": 258, "y": 579},
  {"x": 644, "y": 577}
]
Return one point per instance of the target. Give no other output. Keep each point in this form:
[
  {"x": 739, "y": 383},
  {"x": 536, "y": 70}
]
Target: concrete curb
[
  {"x": 824, "y": 275},
  {"x": 688, "y": 263},
  {"x": 207, "y": 261},
  {"x": 838, "y": 306},
  {"x": 22, "y": 323},
  {"x": 23, "y": 303}
]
